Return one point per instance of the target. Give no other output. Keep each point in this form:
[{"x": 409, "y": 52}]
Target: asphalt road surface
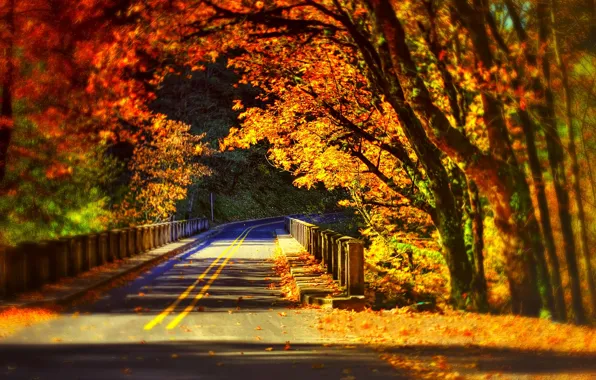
[{"x": 209, "y": 313}]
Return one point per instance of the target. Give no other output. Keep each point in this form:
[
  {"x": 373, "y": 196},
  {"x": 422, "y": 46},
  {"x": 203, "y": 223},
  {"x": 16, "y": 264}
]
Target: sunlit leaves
[{"x": 163, "y": 166}]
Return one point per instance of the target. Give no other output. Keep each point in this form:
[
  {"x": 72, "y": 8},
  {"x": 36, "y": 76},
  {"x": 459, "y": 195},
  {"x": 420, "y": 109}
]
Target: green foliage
[{"x": 54, "y": 192}]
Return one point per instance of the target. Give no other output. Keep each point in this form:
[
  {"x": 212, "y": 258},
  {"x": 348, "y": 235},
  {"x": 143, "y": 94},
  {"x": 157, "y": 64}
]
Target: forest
[{"x": 459, "y": 133}]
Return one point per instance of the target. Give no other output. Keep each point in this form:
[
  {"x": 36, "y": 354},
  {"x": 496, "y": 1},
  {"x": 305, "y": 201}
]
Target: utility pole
[{"x": 211, "y": 198}]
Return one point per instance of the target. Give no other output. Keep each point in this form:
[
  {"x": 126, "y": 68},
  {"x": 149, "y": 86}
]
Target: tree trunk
[
  {"x": 477, "y": 219},
  {"x": 557, "y": 165},
  {"x": 575, "y": 172},
  {"x": 558, "y": 303},
  {"x": 6, "y": 112}
]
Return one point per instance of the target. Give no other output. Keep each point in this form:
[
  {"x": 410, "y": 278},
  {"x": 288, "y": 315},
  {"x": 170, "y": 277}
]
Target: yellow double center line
[{"x": 233, "y": 248}]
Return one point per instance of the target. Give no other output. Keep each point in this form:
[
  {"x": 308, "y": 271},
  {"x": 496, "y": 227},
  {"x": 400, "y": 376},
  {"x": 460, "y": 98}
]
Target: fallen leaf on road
[
  {"x": 258, "y": 338},
  {"x": 282, "y": 314},
  {"x": 287, "y": 347},
  {"x": 138, "y": 309},
  {"x": 318, "y": 366},
  {"x": 258, "y": 328},
  {"x": 75, "y": 314},
  {"x": 56, "y": 339},
  {"x": 127, "y": 371},
  {"x": 269, "y": 349},
  {"x": 174, "y": 356},
  {"x": 141, "y": 294},
  {"x": 211, "y": 353},
  {"x": 143, "y": 342},
  {"x": 201, "y": 308}
]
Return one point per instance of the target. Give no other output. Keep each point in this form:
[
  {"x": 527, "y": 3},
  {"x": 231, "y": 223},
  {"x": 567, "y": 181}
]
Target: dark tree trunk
[
  {"x": 477, "y": 219},
  {"x": 557, "y": 305},
  {"x": 573, "y": 157},
  {"x": 557, "y": 165}
]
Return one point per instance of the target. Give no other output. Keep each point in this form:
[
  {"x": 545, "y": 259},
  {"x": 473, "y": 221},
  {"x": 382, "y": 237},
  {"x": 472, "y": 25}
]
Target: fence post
[{"x": 355, "y": 268}]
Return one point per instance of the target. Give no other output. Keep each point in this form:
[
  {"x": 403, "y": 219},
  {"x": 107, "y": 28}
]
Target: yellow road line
[
  {"x": 200, "y": 295},
  {"x": 159, "y": 319}
]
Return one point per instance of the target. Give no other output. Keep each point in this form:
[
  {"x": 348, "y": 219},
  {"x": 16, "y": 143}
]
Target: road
[{"x": 208, "y": 313}]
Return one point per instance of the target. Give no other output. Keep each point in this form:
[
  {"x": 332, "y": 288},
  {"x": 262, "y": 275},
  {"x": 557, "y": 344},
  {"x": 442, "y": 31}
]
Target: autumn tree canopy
[{"x": 446, "y": 121}]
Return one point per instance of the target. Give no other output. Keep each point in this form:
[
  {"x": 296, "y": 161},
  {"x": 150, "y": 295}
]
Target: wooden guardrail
[
  {"x": 28, "y": 266},
  {"x": 343, "y": 256}
]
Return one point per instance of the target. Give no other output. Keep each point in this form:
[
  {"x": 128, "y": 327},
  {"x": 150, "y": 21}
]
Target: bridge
[{"x": 198, "y": 303}]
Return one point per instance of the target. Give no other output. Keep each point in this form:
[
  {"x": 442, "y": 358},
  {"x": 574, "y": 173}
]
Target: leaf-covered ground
[
  {"x": 458, "y": 345},
  {"x": 14, "y": 319}
]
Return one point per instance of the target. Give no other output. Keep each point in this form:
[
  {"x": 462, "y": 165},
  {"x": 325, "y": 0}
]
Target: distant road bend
[{"x": 208, "y": 313}]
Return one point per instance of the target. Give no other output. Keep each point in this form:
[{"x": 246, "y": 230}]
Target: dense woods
[{"x": 464, "y": 127}]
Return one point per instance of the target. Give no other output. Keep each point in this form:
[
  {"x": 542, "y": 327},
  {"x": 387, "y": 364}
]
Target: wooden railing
[
  {"x": 343, "y": 256},
  {"x": 28, "y": 266}
]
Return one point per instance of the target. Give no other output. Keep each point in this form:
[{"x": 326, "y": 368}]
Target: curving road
[{"x": 208, "y": 313}]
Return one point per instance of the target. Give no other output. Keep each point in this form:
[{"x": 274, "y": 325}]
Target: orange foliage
[{"x": 163, "y": 167}]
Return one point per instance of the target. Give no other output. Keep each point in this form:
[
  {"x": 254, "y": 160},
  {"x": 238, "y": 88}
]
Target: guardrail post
[
  {"x": 324, "y": 248},
  {"x": 355, "y": 268},
  {"x": 75, "y": 255},
  {"x": 163, "y": 236},
  {"x": 3, "y": 272},
  {"x": 103, "y": 246},
  {"x": 60, "y": 262},
  {"x": 316, "y": 246},
  {"x": 154, "y": 236},
  {"x": 132, "y": 241},
  {"x": 36, "y": 265},
  {"x": 342, "y": 263},
  {"x": 16, "y": 271},
  {"x": 123, "y": 244},
  {"x": 113, "y": 245},
  {"x": 89, "y": 252}
]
